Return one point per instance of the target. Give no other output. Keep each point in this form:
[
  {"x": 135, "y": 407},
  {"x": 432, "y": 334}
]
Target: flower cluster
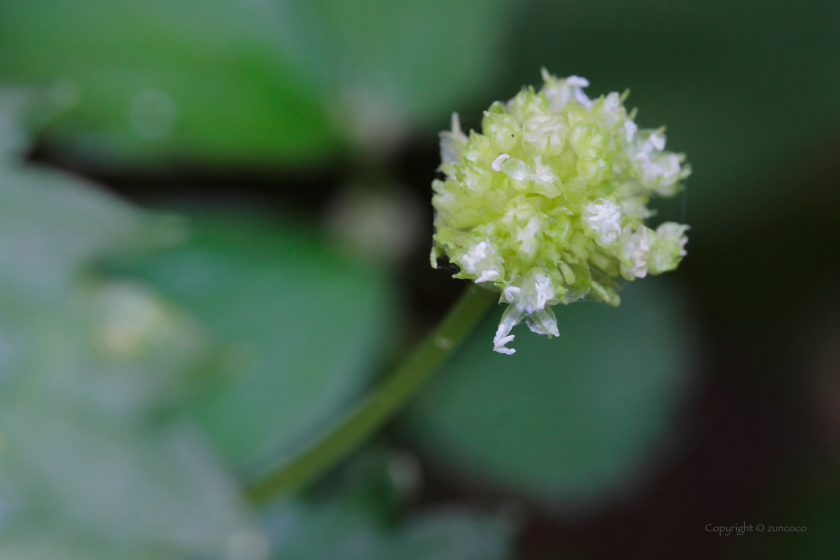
[{"x": 548, "y": 204}]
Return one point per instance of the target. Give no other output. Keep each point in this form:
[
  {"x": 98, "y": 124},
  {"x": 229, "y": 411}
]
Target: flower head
[{"x": 548, "y": 204}]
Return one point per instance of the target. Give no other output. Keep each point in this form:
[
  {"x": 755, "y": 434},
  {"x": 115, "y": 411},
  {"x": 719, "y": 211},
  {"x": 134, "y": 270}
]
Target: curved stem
[{"x": 386, "y": 400}]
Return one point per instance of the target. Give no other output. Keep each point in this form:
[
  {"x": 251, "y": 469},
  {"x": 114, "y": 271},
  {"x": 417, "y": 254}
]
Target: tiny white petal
[
  {"x": 604, "y": 218},
  {"x": 497, "y": 163},
  {"x": 652, "y": 171},
  {"x": 511, "y": 317},
  {"x": 527, "y": 236},
  {"x": 474, "y": 256},
  {"x": 630, "y": 129},
  {"x": 503, "y": 350},
  {"x": 581, "y": 98},
  {"x": 509, "y": 293},
  {"x": 545, "y": 178},
  {"x": 577, "y": 81},
  {"x": 674, "y": 162},
  {"x": 611, "y": 102},
  {"x": 544, "y": 289},
  {"x": 657, "y": 141},
  {"x": 637, "y": 245},
  {"x": 487, "y": 275}
]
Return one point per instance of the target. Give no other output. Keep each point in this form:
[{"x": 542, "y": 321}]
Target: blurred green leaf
[
  {"x": 564, "y": 420},
  {"x": 178, "y": 79},
  {"x": 356, "y": 513},
  {"x": 85, "y": 463},
  {"x": 119, "y": 484},
  {"x": 111, "y": 351},
  {"x": 14, "y": 137},
  {"x": 302, "y": 531},
  {"x": 396, "y": 65},
  {"x": 51, "y": 544},
  {"x": 115, "y": 349},
  {"x": 246, "y": 81},
  {"x": 53, "y": 224},
  {"x": 303, "y": 329}
]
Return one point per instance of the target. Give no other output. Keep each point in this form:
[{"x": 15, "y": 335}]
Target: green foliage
[
  {"x": 107, "y": 392},
  {"x": 341, "y": 533},
  {"x": 113, "y": 482},
  {"x": 87, "y": 468},
  {"x": 301, "y": 330},
  {"x": 352, "y": 517},
  {"x": 54, "y": 224},
  {"x": 170, "y": 79},
  {"x": 395, "y": 65},
  {"x": 570, "y": 419},
  {"x": 86, "y": 366},
  {"x": 241, "y": 81}
]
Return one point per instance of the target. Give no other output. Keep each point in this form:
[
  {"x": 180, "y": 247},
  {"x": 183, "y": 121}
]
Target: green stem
[{"x": 372, "y": 413}]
